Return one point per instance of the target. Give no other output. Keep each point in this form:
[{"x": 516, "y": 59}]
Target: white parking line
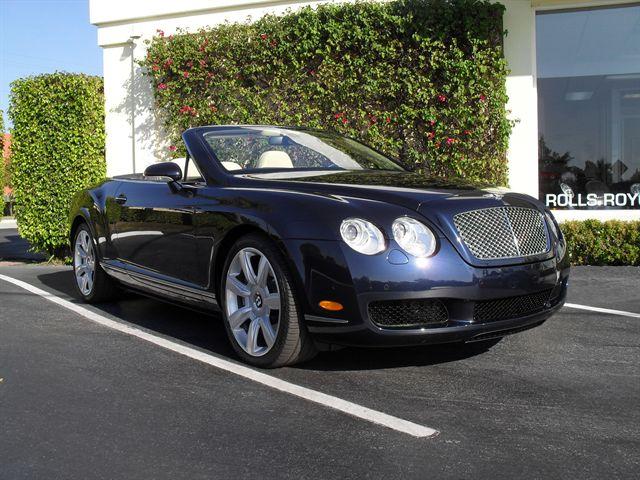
[
  {"x": 603, "y": 310},
  {"x": 330, "y": 401}
]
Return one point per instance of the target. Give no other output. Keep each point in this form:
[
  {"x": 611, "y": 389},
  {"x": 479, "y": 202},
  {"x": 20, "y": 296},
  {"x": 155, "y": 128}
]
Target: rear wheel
[
  {"x": 261, "y": 315},
  {"x": 92, "y": 283}
]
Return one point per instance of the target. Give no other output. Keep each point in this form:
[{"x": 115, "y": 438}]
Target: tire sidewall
[{"x": 264, "y": 246}]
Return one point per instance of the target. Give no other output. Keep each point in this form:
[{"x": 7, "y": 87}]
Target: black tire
[
  {"x": 293, "y": 343},
  {"x": 104, "y": 287}
]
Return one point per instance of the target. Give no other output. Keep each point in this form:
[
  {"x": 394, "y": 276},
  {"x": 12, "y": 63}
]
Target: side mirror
[{"x": 164, "y": 169}]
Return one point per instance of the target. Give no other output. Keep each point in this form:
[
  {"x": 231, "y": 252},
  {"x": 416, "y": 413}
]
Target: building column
[{"x": 520, "y": 52}]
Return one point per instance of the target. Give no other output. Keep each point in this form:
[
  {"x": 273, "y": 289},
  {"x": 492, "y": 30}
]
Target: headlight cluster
[{"x": 412, "y": 236}]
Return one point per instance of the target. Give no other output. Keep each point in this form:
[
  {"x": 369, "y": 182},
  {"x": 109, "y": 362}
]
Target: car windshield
[{"x": 261, "y": 149}]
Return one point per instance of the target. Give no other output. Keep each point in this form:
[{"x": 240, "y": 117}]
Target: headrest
[{"x": 275, "y": 159}]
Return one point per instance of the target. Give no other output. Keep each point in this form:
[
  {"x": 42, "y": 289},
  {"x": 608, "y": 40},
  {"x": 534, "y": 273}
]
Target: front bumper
[{"x": 332, "y": 271}]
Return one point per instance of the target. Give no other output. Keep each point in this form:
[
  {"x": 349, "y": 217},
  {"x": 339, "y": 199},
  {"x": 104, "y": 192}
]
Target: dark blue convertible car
[{"x": 304, "y": 239}]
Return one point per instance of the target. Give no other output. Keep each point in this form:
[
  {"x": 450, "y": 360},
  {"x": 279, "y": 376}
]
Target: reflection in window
[{"x": 589, "y": 108}]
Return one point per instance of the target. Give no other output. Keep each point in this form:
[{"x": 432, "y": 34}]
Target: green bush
[
  {"x": 421, "y": 80},
  {"x": 2, "y": 172},
  {"x": 57, "y": 149},
  {"x": 592, "y": 242}
]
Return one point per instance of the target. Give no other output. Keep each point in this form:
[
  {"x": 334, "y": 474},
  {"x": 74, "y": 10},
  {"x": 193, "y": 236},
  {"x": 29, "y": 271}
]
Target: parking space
[{"x": 81, "y": 400}]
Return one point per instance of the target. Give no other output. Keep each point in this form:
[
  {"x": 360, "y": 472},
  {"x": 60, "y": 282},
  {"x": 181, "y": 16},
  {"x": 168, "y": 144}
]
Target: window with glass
[{"x": 588, "y": 64}]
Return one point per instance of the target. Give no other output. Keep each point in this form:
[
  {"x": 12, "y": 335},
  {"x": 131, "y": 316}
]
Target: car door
[{"x": 154, "y": 233}]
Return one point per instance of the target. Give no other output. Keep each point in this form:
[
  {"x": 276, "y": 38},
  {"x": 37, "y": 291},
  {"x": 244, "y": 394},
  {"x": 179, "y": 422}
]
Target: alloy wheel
[
  {"x": 84, "y": 263},
  {"x": 252, "y": 302}
]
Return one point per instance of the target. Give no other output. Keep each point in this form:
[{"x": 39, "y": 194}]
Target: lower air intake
[
  {"x": 407, "y": 313},
  {"x": 512, "y": 307}
]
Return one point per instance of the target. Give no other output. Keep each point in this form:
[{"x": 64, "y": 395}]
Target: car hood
[{"x": 402, "y": 188}]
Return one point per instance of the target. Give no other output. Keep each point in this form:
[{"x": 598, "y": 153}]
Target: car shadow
[{"x": 206, "y": 331}]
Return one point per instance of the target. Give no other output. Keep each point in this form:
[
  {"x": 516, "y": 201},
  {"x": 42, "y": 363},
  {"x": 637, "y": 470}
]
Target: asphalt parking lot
[{"x": 80, "y": 400}]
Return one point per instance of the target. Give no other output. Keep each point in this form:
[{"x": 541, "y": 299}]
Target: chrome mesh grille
[{"x": 503, "y": 232}]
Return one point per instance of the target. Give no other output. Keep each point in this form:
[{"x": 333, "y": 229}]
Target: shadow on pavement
[
  {"x": 14, "y": 247},
  {"x": 207, "y": 332}
]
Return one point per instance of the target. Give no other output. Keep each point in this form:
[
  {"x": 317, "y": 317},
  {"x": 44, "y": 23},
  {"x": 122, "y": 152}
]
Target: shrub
[
  {"x": 421, "y": 80},
  {"x": 57, "y": 149},
  {"x": 2, "y": 160},
  {"x": 592, "y": 242}
]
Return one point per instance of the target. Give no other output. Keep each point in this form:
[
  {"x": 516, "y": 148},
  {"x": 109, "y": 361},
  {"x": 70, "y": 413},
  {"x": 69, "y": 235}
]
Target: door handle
[{"x": 121, "y": 199}]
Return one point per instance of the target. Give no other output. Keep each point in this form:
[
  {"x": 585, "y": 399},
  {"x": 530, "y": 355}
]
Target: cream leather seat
[
  {"x": 231, "y": 166},
  {"x": 274, "y": 159}
]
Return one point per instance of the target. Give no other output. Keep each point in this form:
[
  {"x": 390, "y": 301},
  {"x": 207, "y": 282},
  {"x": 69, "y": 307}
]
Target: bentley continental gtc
[{"x": 303, "y": 239}]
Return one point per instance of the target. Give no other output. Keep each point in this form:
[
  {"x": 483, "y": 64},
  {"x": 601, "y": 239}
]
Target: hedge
[
  {"x": 421, "y": 80},
  {"x": 613, "y": 242},
  {"x": 57, "y": 149},
  {"x": 2, "y": 160}
]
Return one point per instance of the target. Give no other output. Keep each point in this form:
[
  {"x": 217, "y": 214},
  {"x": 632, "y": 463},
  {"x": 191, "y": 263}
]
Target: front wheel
[
  {"x": 92, "y": 283},
  {"x": 261, "y": 315}
]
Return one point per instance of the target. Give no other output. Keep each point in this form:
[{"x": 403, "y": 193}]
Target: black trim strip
[{"x": 313, "y": 318}]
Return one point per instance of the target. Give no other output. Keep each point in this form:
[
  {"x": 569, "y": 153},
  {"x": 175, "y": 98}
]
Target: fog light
[{"x": 330, "y": 305}]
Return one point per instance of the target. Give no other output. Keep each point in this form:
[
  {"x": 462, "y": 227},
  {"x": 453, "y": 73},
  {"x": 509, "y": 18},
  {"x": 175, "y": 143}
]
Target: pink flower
[
  {"x": 338, "y": 115},
  {"x": 431, "y": 134},
  {"x": 312, "y": 72},
  {"x": 263, "y": 36},
  {"x": 345, "y": 121},
  {"x": 170, "y": 37},
  {"x": 172, "y": 148},
  {"x": 155, "y": 68},
  {"x": 482, "y": 98},
  {"x": 467, "y": 132},
  {"x": 185, "y": 74},
  {"x": 168, "y": 62},
  {"x": 160, "y": 32},
  {"x": 273, "y": 43},
  {"x": 442, "y": 98},
  {"x": 388, "y": 119},
  {"x": 162, "y": 86},
  {"x": 432, "y": 122},
  {"x": 450, "y": 140},
  {"x": 203, "y": 63}
]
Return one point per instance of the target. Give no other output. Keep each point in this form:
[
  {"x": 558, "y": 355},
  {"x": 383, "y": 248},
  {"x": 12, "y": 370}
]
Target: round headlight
[
  {"x": 414, "y": 237},
  {"x": 362, "y": 236}
]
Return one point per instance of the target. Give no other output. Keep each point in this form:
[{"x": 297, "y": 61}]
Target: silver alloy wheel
[
  {"x": 252, "y": 302},
  {"x": 84, "y": 263}
]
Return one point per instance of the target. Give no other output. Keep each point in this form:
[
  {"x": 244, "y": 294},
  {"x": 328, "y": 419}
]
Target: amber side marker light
[{"x": 331, "y": 306}]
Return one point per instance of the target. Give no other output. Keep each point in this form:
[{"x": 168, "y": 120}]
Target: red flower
[
  {"x": 273, "y": 43},
  {"x": 203, "y": 63},
  {"x": 450, "y": 140},
  {"x": 431, "y": 134},
  {"x": 442, "y": 98},
  {"x": 169, "y": 62},
  {"x": 185, "y": 74},
  {"x": 263, "y": 36},
  {"x": 312, "y": 72},
  {"x": 213, "y": 108},
  {"x": 162, "y": 86},
  {"x": 172, "y": 148},
  {"x": 210, "y": 74},
  {"x": 155, "y": 68},
  {"x": 188, "y": 110},
  {"x": 432, "y": 122},
  {"x": 344, "y": 120},
  {"x": 339, "y": 115},
  {"x": 388, "y": 119},
  {"x": 482, "y": 98},
  {"x": 467, "y": 132},
  {"x": 160, "y": 32}
]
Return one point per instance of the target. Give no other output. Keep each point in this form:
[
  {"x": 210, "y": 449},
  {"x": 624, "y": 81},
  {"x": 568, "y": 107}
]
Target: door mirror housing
[{"x": 164, "y": 169}]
